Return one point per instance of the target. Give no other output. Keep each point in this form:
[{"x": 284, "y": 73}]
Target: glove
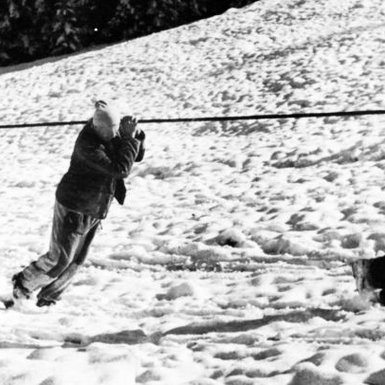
[
  {"x": 128, "y": 127},
  {"x": 141, "y": 136}
]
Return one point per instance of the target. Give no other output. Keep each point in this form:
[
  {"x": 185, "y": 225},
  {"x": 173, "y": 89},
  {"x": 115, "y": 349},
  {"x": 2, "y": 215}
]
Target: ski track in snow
[{"x": 228, "y": 263}]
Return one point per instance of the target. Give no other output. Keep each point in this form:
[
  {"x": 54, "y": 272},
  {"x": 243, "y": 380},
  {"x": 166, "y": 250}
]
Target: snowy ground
[{"x": 228, "y": 263}]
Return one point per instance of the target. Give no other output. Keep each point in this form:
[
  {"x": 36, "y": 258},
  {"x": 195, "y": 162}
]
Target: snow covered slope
[{"x": 228, "y": 263}]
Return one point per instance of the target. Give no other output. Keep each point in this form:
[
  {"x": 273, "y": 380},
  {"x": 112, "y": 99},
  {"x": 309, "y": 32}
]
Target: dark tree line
[{"x": 33, "y": 29}]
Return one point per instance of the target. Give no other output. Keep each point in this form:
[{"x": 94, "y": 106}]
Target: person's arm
[{"x": 126, "y": 151}]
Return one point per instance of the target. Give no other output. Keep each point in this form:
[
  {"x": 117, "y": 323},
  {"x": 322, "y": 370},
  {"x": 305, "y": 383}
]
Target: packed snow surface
[{"x": 229, "y": 263}]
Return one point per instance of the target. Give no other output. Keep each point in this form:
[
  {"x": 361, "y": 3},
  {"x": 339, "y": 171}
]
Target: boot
[{"x": 44, "y": 302}]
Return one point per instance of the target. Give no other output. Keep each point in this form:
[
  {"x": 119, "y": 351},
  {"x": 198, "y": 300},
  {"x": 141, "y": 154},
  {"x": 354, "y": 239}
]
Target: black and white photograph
[{"x": 192, "y": 192}]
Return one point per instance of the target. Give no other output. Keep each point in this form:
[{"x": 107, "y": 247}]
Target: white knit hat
[{"x": 105, "y": 116}]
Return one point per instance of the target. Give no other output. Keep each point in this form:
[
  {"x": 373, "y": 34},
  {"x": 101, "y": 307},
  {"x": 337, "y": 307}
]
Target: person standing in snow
[{"x": 104, "y": 153}]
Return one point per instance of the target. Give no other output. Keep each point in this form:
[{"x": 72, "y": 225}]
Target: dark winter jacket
[{"x": 96, "y": 172}]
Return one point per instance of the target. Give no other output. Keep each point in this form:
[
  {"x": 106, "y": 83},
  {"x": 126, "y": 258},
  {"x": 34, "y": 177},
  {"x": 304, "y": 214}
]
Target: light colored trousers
[{"x": 71, "y": 237}]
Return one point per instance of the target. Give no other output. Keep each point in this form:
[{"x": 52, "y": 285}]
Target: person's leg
[
  {"x": 67, "y": 232},
  {"x": 376, "y": 272},
  {"x": 52, "y": 292},
  {"x": 370, "y": 275}
]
